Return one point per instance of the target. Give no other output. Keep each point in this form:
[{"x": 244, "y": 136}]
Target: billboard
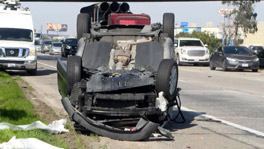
[
  {"x": 184, "y": 24},
  {"x": 224, "y": 11},
  {"x": 57, "y": 27}
]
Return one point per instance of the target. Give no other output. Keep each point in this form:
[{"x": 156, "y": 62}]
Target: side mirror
[
  {"x": 206, "y": 45},
  {"x": 175, "y": 45}
]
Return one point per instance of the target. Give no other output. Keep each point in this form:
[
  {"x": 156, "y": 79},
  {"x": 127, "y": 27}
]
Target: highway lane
[
  {"x": 237, "y": 97},
  {"x": 233, "y": 96}
]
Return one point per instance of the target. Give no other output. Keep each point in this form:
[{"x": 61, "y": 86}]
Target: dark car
[
  {"x": 261, "y": 58},
  {"x": 45, "y": 47},
  {"x": 234, "y": 58},
  {"x": 69, "y": 47},
  {"x": 256, "y": 49},
  {"x": 123, "y": 79}
]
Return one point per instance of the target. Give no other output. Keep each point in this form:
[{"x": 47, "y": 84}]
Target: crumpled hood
[{"x": 16, "y": 44}]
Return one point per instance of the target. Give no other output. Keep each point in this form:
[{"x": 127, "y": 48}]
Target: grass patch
[{"x": 15, "y": 109}]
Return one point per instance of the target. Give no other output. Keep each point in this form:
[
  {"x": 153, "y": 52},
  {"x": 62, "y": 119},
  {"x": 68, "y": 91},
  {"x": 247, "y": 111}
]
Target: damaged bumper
[{"x": 142, "y": 131}]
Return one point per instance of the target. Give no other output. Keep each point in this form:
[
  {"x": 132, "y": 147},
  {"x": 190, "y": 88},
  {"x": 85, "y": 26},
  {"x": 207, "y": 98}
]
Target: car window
[
  {"x": 47, "y": 42},
  {"x": 190, "y": 43},
  {"x": 261, "y": 54},
  {"x": 257, "y": 48},
  {"x": 176, "y": 42},
  {"x": 71, "y": 41},
  {"x": 16, "y": 34},
  {"x": 57, "y": 44},
  {"x": 237, "y": 50}
]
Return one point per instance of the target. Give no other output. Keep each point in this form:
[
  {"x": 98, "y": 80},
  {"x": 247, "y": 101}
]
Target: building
[{"x": 256, "y": 38}]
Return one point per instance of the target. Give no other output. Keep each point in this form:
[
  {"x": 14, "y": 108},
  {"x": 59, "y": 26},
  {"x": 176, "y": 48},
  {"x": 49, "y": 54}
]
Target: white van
[
  {"x": 191, "y": 51},
  {"x": 17, "y": 44}
]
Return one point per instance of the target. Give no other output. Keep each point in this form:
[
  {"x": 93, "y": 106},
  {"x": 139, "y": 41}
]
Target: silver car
[{"x": 55, "y": 48}]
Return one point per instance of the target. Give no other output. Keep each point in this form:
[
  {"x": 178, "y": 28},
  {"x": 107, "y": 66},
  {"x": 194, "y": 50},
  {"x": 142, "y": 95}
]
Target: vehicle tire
[
  {"x": 224, "y": 68},
  {"x": 167, "y": 78},
  {"x": 211, "y": 66},
  {"x": 74, "y": 66},
  {"x": 254, "y": 70},
  {"x": 168, "y": 25},
  {"x": 83, "y": 24}
]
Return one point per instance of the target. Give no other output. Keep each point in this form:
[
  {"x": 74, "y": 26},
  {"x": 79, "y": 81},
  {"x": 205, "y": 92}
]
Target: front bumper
[
  {"x": 194, "y": 59},
  {"x": 142, "y": 131},
  {"x": 241, "y": 65},
  {"x": 29, "y": 63}
]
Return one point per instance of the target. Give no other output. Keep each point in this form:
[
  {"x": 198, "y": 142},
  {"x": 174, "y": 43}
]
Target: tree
[
  {"x": 243, "y": 17},
  {"x": 206, "y": 38}
]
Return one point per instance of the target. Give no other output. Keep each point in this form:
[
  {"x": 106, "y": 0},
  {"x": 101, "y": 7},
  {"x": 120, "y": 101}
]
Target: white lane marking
[
  {"x": 48, "y": 65},
  {"x": 258, "y": 133},
  {"x": 183, "y": 81}
]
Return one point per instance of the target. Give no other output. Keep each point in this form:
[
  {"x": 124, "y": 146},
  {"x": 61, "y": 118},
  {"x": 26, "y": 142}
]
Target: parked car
[
  {"x": 45, "y": 47},
  {"x": 123, "y": 75},
  {"x": 69, "y": 47},
  {"x": 17, "y": 47},
  {"x": 234, "y": 58},
  {"x": 256, "y": 49},
  {"x": 261, "y": 58},
  {"x": 191, "y": 51},
  {"x": 55, "y": 48}
]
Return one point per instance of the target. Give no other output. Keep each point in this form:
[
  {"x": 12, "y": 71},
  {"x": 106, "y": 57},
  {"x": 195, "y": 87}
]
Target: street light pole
[{"x": 223, "y": 38}]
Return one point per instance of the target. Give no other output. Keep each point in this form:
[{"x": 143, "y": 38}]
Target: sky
[{"x": 192, "y": 12}]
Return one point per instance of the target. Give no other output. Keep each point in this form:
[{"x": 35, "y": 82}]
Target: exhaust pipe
[
  {"x": 104, "y": 6},
  {"x": 124, "y": 7},
  {"x": 114, "y": 7}
]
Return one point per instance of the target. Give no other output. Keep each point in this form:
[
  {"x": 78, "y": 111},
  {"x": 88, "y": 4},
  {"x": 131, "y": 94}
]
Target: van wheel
[
  {"x": 83, "y": 24},
  {"x": 168, "y": 25},
  {"x": 167, "y": 78},
  {"x": 74, "y": 66}
]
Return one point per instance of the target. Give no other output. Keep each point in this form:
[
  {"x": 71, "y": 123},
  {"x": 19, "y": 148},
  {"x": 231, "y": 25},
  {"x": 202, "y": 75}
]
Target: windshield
[
  {"x": 190, "y": 43},
  {"x": 258, "y": 48},
  {"x": 71, "y": 41},
  {"x": 37, "y": 35},
  {"x": 236, "y": 50},
  {"x": 14, "y": 34},
  {"x": 47, "y": 42},
  {"x": 56, "y": 44}
]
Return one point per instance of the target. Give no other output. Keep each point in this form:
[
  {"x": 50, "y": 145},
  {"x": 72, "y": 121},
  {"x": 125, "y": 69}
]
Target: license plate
[
  {"x": 196, "y": 60},
  {"x": 244, "y": 65},
  {"x": 10, "y": 65}
]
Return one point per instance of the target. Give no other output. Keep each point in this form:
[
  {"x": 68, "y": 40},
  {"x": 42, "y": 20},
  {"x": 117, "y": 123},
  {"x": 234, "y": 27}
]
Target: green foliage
[
  {"x": 243, "y": 16},
  {"x": 206, "y": 38},
  {"x": 15, "y": 109}
]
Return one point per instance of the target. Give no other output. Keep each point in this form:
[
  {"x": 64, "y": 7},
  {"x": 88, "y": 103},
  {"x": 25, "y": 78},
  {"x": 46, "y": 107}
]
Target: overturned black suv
[{"x": 123, "y": 78}]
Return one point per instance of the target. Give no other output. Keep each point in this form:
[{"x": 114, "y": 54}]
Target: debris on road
[
  {"x": 56, "y": 127},
  {"x": 29, "y": 143}
]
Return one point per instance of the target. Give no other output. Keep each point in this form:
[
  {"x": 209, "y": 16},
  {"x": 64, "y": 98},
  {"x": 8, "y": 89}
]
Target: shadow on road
[
  {"x": 177, "y": 124},
  {"x": 39, "y": 72}
]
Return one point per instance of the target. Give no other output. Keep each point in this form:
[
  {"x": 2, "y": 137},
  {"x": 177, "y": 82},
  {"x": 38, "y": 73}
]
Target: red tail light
[{"x": 128, "y": 19}]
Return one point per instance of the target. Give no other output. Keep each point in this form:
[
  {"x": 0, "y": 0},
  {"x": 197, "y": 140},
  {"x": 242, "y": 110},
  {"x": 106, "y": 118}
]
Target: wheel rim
[{"x": 173, "y": 79}]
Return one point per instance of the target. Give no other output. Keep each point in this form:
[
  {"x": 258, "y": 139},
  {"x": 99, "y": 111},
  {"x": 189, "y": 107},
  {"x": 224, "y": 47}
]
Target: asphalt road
[{"x": 235, "y": 97}]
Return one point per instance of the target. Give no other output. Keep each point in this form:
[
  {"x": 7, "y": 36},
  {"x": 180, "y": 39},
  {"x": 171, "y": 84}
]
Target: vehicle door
[{"x": 218, "y": 57}]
